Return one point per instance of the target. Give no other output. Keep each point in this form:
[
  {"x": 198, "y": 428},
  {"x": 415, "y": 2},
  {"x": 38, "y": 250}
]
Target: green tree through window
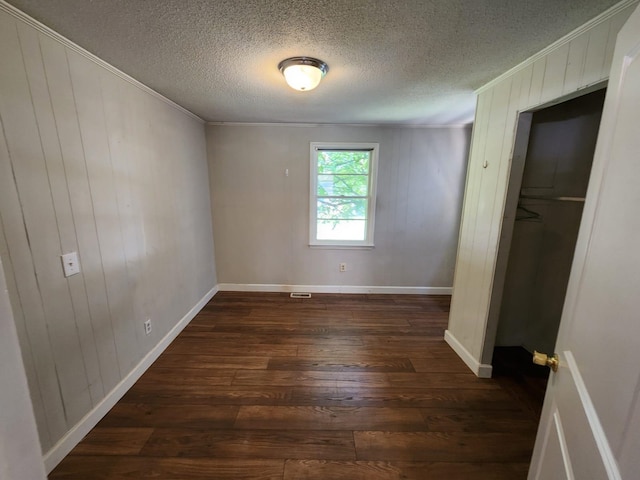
[{"x": 342, "y": 198}]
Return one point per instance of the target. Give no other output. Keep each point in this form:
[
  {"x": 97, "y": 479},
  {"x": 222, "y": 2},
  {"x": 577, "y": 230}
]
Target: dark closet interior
[{"x": 551, "y": 193}]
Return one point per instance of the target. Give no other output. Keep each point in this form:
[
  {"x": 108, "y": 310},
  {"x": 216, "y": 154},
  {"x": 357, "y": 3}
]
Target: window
[{"x": 343, "y": 193}]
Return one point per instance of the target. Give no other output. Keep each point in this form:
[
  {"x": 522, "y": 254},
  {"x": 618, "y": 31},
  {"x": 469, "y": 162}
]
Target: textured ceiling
[{"x": 402, "y": 61}]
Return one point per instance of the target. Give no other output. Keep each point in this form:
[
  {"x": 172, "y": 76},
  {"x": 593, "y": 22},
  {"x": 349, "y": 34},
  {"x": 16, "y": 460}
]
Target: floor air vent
[{"x": 300, "y": 295}]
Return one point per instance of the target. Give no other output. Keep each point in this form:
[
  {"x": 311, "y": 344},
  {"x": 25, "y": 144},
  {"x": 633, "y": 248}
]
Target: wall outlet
[
  {"x": 70, "y": 264},
  {"x": 343, "y": 267},
  {"x": 147, "y": 326}
]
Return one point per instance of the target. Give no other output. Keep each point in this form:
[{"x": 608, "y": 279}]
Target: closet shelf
[{"x": 555, "y": 199}]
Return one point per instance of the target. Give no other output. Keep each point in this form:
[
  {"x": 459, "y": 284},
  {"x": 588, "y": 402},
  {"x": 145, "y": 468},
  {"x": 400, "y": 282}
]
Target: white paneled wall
[
  {"x": 260, "y": 204},
  {"x": 577, "y": 62},
  {"x": 92, "y": 162}
]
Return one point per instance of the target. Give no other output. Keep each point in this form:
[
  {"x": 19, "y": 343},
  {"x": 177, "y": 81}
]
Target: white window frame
[{"x": 313, "y": 190}]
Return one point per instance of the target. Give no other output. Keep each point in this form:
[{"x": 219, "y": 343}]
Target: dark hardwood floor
[{"x": 262, "y": 386}]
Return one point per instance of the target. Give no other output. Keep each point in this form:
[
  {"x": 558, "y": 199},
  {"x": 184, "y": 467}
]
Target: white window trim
[{"x": 373, "y": 181}]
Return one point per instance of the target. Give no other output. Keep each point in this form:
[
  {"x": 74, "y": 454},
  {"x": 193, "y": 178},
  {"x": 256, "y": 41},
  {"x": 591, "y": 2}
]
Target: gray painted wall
[
  {"x": 260, "y": 215},
  {"x": 93, "y": 163}
]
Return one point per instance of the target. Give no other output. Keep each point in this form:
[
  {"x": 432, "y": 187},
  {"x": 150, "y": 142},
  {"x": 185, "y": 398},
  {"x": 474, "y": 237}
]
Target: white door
[{"x": 590, "y": 424}]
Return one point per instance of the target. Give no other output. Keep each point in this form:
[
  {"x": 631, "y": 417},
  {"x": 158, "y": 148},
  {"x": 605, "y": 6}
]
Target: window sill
[{"x": 323, "y": 246}]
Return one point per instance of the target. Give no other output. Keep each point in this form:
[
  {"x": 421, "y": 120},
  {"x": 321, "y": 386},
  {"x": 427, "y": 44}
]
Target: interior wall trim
[
  {"x": 603, "y": 17},
  {"x": 314, "y": 125},
  {"x": 263, "y": 287},
  {"x": 20, "y": 15},
  {"x": 482, "y": 370},
  {"x": 62, "y": 448}
]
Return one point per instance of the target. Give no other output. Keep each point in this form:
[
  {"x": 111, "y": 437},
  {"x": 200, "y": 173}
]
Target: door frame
[{"x": 516, "y": 170}]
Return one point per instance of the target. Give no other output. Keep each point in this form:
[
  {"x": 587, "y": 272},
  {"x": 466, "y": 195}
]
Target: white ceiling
[{"x": 390, "y": 61}]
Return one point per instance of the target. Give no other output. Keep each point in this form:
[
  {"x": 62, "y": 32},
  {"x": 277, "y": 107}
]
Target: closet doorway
[{"x": 550, "y": 171}]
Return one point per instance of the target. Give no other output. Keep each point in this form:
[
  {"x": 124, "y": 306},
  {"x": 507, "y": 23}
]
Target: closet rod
[{"x": 556, "y": 199}]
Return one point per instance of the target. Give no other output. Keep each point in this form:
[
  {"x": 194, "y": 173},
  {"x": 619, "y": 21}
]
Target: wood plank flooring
[{"x": 261, "y": 386}]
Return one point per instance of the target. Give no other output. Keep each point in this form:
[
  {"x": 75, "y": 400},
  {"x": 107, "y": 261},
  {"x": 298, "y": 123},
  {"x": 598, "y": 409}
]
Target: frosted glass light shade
[
  {"x": 303, "y": 73},
  {"x": 302, "y": 77}
]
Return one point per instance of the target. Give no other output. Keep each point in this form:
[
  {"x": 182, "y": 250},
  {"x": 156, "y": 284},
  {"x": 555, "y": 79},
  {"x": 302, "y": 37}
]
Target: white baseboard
[
  {"x": 264, "y": 287},
  {"x": 482, "y": 370},
  {"x": 62, "y": 448}
]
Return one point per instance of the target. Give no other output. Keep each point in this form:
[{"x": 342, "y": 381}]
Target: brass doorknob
[{"x": 546, "y": 360}]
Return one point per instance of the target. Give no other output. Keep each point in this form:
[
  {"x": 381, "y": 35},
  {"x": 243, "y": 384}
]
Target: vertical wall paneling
[
  {"x": 494, "y": 151},
  {"x": 93, "y": 162},
  {"x": 117, "y": 126},
  {"x": 594, "y": 67},
  {"x": 64, "y": 108},
  {"x": 85, "y": 80},
  {"x": 400, "y": 201},
  {"x": 164, "y": 211},
  {"x": 519, "y": 89},
  {"x": 419, "y": 194},
  {"x": 525, "y": 87},
  {"x": 469, "y": 215},
  {"x": 579, "y": 61},
  {"x": 145, "y": 189},
  {"x": 60, "y": 199},
  {"x": 516, "y": 167},
  {"x": 575, "y": 64},
  {"x": 537, "y": 81},
  {"x": 28, "y": 163},
  {"x": 36, "y": 350},
  {"x": 555, "y": 71},
  {"x": 159, "y": 244}
]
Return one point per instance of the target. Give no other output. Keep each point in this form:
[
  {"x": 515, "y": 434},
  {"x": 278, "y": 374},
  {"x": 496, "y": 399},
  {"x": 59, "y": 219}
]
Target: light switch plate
[{"x": 70, "y": 264}]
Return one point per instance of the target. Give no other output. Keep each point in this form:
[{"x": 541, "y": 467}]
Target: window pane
[
  {"x": 342, "y": 208},
  {"x": 346, "y": 185},
  {"x": 343, "y": 162},
  {"x": 341, "y": 230},
  {"x": 343, "y": 193}
]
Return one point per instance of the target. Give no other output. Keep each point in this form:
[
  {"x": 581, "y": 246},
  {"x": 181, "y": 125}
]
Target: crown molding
[
  {"x": 603, "y": 17},
  {"x": 23, "y": 17}
]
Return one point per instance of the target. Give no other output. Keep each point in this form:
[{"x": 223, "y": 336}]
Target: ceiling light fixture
[{"x": 303, "y": 73}]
